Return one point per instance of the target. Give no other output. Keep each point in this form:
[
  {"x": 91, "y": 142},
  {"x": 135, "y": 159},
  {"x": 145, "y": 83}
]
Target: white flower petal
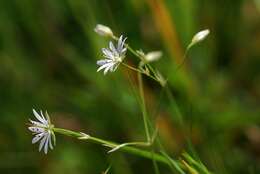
[
  {"x": 124, "y": 50},
  {"x": 50, "y": 144},
  {"x": 36, "y": 129},
  {"x": 36, "y": 123},
  {"x": 38, "y": 117},
  {"x": 121, "y": 46},
  {"x": 107, "y": 53},
  {"x": 46, "y": 144},
  {"x": 101, "y": 62},
  {"x": 45, "y": 120},
  {"x": 107, "y": 68},
  {"x": 37, "y": 137},
  {"x": 104, "y": 61},
  {"x": 119, "y": 42},
  {"x": 43, "y": 140},
  {"x": 112, "y": 47},
  {"x": 114, "y": 68},
  {"x": 105, "y": 65}
]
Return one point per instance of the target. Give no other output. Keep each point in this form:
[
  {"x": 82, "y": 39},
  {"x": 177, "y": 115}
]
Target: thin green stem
[
  {"x": 155, "y": 165},
  {"x": 183, "y": 60},
  {"x": 140, "y": 57},
  {"x": 128, "y": 149},
  {"x": 134, "y": 52},
  {"x": 132, "y": 68},
  {"x": 144, "y": 112},
  {"x": 174, "y": 164},
  {"x": 174, "y": 104},
  {"x": 145, "y": 120},
  {"x": 143, "y": 144},
  {"x": 139, "y": 71}
]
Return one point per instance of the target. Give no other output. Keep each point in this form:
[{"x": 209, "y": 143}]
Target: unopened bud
[
  {"x": 153, "y": 56},
  {"x": 200, "y": 36},
  {"x": 103, "y": 30}
]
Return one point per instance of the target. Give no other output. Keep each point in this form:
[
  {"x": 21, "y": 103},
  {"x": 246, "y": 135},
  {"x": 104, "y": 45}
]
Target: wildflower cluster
[{"x": 113, "y": 56}]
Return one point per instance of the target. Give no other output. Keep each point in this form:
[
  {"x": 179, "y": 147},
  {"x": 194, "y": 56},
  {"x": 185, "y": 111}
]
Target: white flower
[
  {"x": 42, "y": 129},
  {"x": 200, "y": 36},
  {"x": 103, "y": 30},
  {"x": 113, "y": 56}
]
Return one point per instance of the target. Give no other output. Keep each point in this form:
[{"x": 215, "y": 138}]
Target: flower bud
[
  {"x": 200, "y": 36},
  {"x": 103, "y": 30},
  {"x": 153, "y": 56}
]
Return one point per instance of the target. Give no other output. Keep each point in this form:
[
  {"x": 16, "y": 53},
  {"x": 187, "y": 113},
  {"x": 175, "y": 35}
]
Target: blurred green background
[{"x": 48, "y": 53}]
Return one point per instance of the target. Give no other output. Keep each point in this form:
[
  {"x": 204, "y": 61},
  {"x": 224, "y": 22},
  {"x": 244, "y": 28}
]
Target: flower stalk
[
  {"x": 128, "y": 149},
  {"x": 142, "y": 58},
  {"x": 144, "y": 112}
]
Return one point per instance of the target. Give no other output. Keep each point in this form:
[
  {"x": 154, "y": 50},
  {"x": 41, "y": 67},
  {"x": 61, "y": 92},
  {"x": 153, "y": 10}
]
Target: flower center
[{"x": 118, "y": 59}]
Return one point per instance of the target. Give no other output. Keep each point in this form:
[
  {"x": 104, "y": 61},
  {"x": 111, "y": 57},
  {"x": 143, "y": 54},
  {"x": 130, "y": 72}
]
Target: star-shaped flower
[
  {"x": 42, "y": 129},
  {"x": 113, "y": 56}
]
